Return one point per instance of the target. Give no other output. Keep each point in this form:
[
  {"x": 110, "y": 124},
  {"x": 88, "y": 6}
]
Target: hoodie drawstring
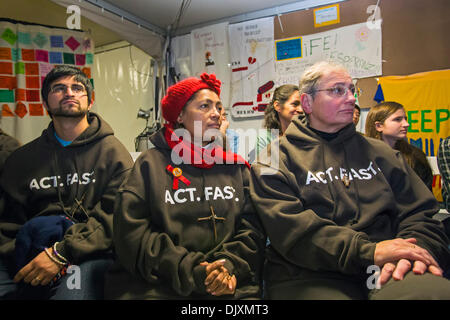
[{"x": 77, "y": 205}]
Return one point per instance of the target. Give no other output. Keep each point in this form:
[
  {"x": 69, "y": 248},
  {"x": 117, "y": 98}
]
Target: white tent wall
[{"x": 123, "y": 84}]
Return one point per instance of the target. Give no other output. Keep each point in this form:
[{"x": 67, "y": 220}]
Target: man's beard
[{"x": 68, "y": 113}]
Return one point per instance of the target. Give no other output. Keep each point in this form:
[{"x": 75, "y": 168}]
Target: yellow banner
[{"x": 426, "y": 98}]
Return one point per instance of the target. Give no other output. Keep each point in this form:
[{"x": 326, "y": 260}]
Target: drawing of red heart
[{"x": 251, "y": 60}]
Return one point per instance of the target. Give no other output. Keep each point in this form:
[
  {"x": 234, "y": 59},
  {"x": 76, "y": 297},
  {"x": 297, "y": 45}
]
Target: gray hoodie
[{"x": 327, "y": 203}]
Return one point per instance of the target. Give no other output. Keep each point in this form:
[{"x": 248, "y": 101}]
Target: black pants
[{"x": 412, "y": 287}]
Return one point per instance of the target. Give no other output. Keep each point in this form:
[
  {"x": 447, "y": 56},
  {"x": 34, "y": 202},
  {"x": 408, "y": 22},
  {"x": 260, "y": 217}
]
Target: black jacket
[{"x": 43, "y": 178}]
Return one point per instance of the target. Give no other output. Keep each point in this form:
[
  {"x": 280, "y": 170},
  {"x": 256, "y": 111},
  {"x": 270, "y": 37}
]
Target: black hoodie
[
  {"x": 160, "y": 241},
  {"x": 326, "y": 204},
  {"x": 43, "y": 178}
]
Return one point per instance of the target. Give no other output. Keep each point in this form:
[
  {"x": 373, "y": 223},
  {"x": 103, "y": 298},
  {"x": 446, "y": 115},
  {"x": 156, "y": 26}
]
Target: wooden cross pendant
[{"x": 213, "y": 218}]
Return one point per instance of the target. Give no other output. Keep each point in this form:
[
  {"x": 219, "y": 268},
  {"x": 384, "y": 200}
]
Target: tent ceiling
[
  {"x": 159, "y": 17},
  {"x": 145, "y": 23},
  {"x": 163, "y": 13}
]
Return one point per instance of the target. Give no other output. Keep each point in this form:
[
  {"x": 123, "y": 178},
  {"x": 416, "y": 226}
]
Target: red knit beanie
[{"x": 179, "y": 93}]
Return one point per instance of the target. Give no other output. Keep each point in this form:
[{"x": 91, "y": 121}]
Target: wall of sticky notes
[{"x": 27, "y": 53}]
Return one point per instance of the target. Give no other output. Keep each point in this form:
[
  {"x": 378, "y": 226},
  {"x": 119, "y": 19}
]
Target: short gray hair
[{"x": 311, "y": 76}]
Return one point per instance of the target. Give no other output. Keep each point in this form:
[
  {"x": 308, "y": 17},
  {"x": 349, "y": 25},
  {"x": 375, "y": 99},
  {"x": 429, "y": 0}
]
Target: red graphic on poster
[{"x": 261, "y": 107}]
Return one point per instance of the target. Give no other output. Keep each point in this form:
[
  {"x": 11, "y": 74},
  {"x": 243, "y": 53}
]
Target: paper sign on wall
[
  {"x": 252, "y": 67},
  {"x": 27, "y": 54},
  {"x": 210, "y": 54},
  {"x": 326, "y": 16},
  {"x": 356, "y": 46}
]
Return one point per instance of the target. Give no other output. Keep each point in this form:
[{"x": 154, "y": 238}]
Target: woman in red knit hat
[{"x": 184, "y": 225}]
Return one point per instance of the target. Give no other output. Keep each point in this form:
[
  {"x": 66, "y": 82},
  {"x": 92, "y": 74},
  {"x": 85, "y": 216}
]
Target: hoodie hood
[
  {"x": 300, "y": 131},
  {"x": 98, "y": 129}
]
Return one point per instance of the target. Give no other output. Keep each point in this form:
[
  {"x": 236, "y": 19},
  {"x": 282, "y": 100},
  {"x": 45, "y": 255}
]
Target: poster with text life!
[
  {"x": 357, "y": 47},
  {"x": 253, "y": 67}
]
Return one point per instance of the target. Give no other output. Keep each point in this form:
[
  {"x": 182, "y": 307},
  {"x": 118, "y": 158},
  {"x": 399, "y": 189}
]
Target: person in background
[
  {"x": 231, "y": 136},
  {"x": 387, "y": 122},
  {"x": 7, "y": 145},
  {"x": 285, "y": 105},
  {"x": 185, "y": 227},
  {"x": 356, "y": 114},
  {"x": 57, "y": 198},
  {"x": 339, "y": 207},
  {"x": 443, "y": 160}
]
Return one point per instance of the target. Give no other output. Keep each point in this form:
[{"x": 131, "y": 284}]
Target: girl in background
[{"x": 387, "y": 121}]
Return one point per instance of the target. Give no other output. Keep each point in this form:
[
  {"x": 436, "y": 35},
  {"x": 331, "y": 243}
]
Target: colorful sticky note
[
  {"x": 69, "y": 58},
  {"x": 19, "y": 68},
  {"x": 40, "y": 39},
  {"x": 5, "y": 53},
  {"x": 6, "y": 67},
  {"x": 80, "y": 59},
  {"x": 36, "y": 109},
  {"x": 21, "y": 110},
  {"x": 6, "y": 95},
  {"x": 87, "y": 45},
  {"x": 56, "y": 42},
  {"x": 16, "y": 54},
  {"x": 8, "y": 82},
  {"x": 41, "y": 55},
  {"x": 28, "y": 55},
  {"x": 45, "y": 68},
  {"x": 72, "y": 43},
  {"x": 32, "y": 69},
  {"x": 6, "y": 111},
  {"x": 89, "y": 58},
  {"x": 87, "y": 72},
  {"x": 24, "y": 38},
  {"x": 32, "y": 82},
  {"x": 20, "y": 95},
  {"x": 9, "y": 36},
  {"x": 56, "y": 57},
  {"x": 33, "y": 95}
]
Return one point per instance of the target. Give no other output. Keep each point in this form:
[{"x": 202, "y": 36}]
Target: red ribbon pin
[{"x": 178, "y": 175}]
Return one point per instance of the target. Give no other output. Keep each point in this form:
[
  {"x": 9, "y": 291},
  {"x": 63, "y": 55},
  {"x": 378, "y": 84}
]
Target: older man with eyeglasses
[
  {"x": 346, "y": 217},
  {"x": 57, "y": 198}
]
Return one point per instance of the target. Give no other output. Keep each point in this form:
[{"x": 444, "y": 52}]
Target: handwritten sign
[
  {"x": 252, "y": 67},
  {"x": 356, "y": 46},
  {"x": 210, "y": 54}
]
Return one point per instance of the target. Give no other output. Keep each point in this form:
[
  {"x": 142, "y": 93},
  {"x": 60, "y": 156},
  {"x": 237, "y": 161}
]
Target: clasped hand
[
  {"x": 39, "y": 271},
  {"x": 218, "y": 280},
  {"x": 396, "y": 257}
]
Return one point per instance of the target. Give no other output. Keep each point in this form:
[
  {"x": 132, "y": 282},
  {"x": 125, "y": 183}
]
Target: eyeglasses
[
  {"x": 77, "y": 89},
  {"x": 339, "y": 90}
]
